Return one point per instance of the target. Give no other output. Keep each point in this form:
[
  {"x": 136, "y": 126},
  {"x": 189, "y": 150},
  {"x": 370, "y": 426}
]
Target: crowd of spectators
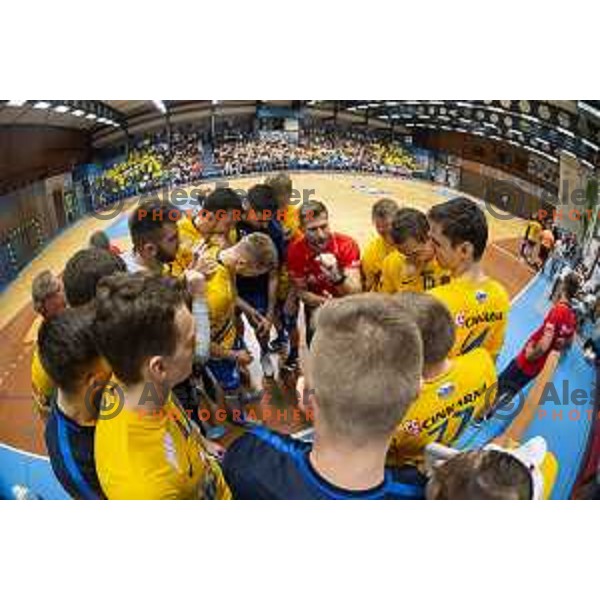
[
  {"x": 154, "y": 163},
  {"x": 315, "y": 150}
]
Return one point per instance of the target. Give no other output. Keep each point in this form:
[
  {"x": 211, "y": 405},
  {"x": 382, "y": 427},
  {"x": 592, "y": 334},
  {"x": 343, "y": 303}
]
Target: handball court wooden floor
[{"x": 349, "y": 198}]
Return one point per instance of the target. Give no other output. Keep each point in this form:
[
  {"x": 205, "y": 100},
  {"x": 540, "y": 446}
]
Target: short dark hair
[
  {"x": 461, "y": 221},
  {"x": 570, "y": 285},
  {"x": 99, "y": 239},
  {"x": 83, "y": 272},
  {"x": 409, "y": 223},
  {"x": 312, "y": 209},
  {"x": 281, "y": 183},
  {"x": 147, "y": 220},
  {"x": 135, "y": 319},
  {"x": 67, "y": 347},
  {"x": 434, "y": 321},
  {"x": 222, "y": 199},
  {"x": 384, "y": 208},
  {"x": 262, "y": 197}
]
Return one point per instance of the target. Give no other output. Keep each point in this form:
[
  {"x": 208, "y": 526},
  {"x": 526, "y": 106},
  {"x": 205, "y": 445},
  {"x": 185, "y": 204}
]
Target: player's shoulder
[
  {"x": 498, "y": 290},
  {"x": 394, "y": 259},
  {"x": 343, "y": 239},
  {"x": 262, "y": 441},
  {"x": 261, "y": 463},
  {"x": 447, "y": 291},
  {"x": 297, "y": 246}
]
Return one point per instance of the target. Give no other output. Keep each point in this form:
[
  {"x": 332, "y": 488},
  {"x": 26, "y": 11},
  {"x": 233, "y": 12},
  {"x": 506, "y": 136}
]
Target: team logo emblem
[
  {"x": 481, "y": 296},
  {"x": 460, "y": 319},
  {"x": 412, "y": 427},
  {"x": 445, "y": 390}
]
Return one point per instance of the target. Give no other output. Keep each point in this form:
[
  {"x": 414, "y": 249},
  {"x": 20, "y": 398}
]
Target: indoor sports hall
[{"x": 71, "y": 169}]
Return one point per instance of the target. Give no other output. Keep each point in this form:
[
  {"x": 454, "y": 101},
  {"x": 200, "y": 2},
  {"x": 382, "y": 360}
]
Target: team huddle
[{"x": 143, "y": 362}]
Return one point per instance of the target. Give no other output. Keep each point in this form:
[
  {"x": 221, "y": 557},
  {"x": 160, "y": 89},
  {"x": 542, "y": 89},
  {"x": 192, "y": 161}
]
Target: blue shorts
[
  {"x": 257, "y": 299},
  {"x": 226, "y": 371}
]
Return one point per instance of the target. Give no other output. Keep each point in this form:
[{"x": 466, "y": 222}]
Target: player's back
[
  {"x": 264, "y": 465},
  {"x": 480, "y": 313},
  {"x": 445, "y": 406}
]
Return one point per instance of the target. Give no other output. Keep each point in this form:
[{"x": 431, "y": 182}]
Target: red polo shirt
[
  {"x": 302, "y": 261},
  {"x": 562, "y": 316}
]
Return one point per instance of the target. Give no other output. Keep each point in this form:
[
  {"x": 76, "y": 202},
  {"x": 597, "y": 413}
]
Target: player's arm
[
  {"x": 196, "y": 285},
  {"x": 273, "y": 289},
  {"x": 350, "y": 282},
  {"x": 534, "y": 350},
  {"x": 309, "y": 298}
]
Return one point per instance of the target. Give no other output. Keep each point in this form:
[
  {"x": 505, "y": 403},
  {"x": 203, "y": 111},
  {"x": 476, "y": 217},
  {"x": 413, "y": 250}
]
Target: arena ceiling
[{"x": 545, "y": 127}]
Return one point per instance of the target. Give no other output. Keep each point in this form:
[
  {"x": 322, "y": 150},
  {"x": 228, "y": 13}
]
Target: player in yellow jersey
[
  {"x": 49, "y": 300},
  {"x": 454, "y": 391},
  {"x": 254, "y": 255},
  {"x": 212, "y": 223},
  {"x": 282, "y": 186},
  {"x": 379, "y": 247},
  {"x": 478, "y": 304},
  {"x": 531, "y": 237},
  {"x": 146, "y": 447},
  {"x": 412, "y": 267}
]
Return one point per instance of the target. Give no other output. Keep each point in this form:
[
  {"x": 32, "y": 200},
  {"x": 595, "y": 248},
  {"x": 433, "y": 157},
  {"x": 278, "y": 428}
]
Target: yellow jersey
[
  {"x": 291, "y": 221},
  {"x": 41, "y": 384},
  {"x": 160, "y": 455},
  {"x": 480, "y": 313},
  {"x": 371, "y": 262},
  {"x": 189, "y": 239},
  {"x": 398, "y": 275},
  {"x": 445, "y": 406},
  {"x": 220, "y": 299}
]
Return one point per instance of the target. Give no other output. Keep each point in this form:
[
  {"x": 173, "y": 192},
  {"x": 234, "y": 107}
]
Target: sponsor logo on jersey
[
  {"x": 445, "y": 390},
  {"x": 412, "y": 427},
  {"x": 462, "y": 320}
]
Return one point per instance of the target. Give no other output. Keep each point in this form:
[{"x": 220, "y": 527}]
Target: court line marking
[{"x": 24, "y": 452}]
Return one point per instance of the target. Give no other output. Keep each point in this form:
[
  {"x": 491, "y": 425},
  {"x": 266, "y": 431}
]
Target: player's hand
[
  {"x": 196, "y": 283},
  {"x": 242, "y": 357},
  {"x": 330, "y": 267},
  {"x": 548, "y": 335},
  {"x": 264, "y": 324}
]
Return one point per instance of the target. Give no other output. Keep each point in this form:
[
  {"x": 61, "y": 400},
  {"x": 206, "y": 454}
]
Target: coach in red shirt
[
  {"x": 556, "y": 333},
  {"x": 322, "y": 264}
]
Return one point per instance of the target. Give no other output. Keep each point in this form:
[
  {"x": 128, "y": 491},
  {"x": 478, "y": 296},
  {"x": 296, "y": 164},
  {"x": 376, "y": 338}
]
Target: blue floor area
[{"x": 28, "y": 472}]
